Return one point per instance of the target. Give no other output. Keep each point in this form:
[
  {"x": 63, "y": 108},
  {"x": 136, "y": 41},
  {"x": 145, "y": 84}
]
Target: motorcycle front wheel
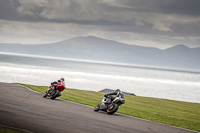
[
  {"x": 96, "y": 108},
  {"x": 45, "y": 94}
]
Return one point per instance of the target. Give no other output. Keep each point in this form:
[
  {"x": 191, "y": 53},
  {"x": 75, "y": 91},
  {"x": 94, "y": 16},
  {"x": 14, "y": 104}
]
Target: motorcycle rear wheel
[
  {"x": 113, "y": 110},
  {"x": 55, "y": 94}
]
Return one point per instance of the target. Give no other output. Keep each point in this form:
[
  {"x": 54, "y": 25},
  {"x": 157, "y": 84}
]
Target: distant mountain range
[{"x": 93, "y": 48}]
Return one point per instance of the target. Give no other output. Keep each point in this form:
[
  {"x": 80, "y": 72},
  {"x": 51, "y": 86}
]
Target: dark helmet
[
  {"x": 62, "y": 79},
  {"x": 118, "y": 90},
  {"x": 59, "y": 80}
]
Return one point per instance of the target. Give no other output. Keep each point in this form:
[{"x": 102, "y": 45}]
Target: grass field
[
  {"x": 175, "y": 113},
  {"x": 4, "y": 129}
]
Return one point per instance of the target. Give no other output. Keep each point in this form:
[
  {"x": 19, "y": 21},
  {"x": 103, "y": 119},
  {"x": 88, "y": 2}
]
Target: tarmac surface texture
[{"x": 29, "y": 111}]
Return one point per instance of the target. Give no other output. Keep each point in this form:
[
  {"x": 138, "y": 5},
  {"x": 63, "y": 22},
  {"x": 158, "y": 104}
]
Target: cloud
[
  {"x": 148, "y": 18},
  {"x": 160, "y": 6}
]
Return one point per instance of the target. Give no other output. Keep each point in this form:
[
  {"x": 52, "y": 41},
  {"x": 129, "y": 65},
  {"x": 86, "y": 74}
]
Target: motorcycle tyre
[
  {"x": 113, "y": 110},
  {"x": 45, "y": 95},
  {"x": 55, "y": 94},
  {"x": 96, "y": 108}
]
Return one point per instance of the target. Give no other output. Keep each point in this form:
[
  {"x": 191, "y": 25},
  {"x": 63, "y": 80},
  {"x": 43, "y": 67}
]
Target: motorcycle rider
[
  {"x": 56, "y": 84},
  {"x": 108, "y": 104},
  {"x": 61, "y": 82},
  {"x": 117, "y": 92}
]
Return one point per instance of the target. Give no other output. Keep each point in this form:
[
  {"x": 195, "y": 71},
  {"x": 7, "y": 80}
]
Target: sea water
[{"x": 95, "y": 76}]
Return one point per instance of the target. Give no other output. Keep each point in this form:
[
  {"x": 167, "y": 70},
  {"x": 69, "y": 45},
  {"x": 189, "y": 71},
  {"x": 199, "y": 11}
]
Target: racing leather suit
[{"x": 117, "y": 93}]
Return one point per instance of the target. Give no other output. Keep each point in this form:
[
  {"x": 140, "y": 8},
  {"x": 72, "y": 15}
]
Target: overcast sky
[{"x": 153, "y": 23}]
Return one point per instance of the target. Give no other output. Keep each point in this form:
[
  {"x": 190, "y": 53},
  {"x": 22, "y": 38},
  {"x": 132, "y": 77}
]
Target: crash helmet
[
  {"x": 59, "y": 81},
  {"x": 62, "y": 79},
  {"x": 118, "y": 90}
]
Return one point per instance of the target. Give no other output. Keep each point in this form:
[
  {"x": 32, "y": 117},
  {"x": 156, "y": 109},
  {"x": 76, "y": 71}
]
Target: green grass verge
[
  {"x": 4, "y": 129},
  {"x": 175, "y": 113}
]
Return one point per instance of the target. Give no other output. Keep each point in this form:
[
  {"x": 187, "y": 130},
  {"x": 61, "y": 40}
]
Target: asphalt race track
[{"x": 27, "y": 110}]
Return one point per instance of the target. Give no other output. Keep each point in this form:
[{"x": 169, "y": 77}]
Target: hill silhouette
[{"x": 94, "y": 48}]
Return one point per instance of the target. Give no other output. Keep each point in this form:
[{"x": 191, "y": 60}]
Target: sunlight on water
[{"x": 143, "y": 82}]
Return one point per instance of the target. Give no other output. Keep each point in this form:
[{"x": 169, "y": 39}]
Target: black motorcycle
[{"x": 110, "y": 106}]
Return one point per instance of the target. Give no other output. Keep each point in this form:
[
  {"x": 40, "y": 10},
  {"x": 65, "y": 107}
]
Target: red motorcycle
[{"x": 54, "y": 90}]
